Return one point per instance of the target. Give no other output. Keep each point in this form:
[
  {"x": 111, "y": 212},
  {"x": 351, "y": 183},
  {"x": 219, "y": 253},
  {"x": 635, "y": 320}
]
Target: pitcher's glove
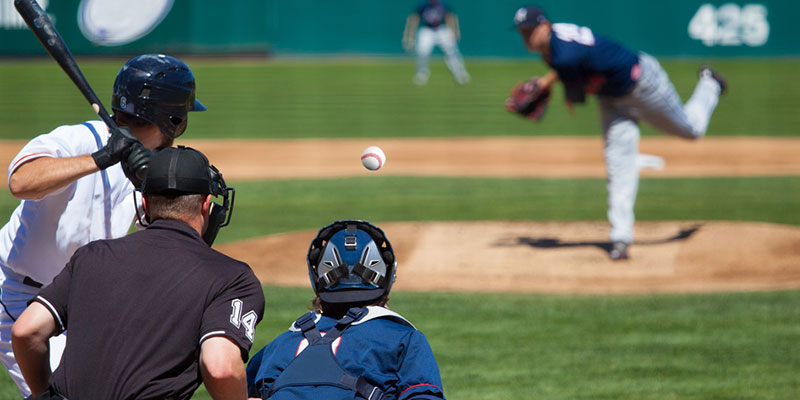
[{"x": 529, "y": 99}]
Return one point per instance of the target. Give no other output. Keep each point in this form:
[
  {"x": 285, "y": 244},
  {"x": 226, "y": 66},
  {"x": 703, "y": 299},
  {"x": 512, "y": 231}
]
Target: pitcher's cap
[{"x": 529, "y": 17}]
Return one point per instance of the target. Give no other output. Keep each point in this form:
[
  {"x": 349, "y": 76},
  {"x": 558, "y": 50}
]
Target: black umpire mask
[{"x": 183, "y": 170}]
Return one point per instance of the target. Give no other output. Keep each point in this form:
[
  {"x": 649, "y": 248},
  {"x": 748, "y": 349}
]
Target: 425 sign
[{"x": 730, "y": 25}]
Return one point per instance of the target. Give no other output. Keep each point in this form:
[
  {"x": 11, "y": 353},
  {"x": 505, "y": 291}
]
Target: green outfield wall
[{"x": 313, "y": 27}]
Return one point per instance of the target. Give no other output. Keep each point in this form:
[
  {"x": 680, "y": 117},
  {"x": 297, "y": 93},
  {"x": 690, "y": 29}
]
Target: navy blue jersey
[
  {"x": 432, "y": 14},
  {"x": 382, "y": 347},
  {"x": 592, "y": 63}
]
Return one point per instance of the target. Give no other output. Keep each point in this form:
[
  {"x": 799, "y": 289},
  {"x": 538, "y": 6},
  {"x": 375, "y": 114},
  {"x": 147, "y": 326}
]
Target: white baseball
[{"x": 373, "y": 158}]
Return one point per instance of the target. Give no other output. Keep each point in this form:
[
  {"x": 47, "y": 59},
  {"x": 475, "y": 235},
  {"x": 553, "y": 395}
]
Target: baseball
[{"x": 373, "y": 158}]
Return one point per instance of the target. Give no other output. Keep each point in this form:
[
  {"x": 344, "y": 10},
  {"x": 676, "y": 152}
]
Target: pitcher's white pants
[{"x": 655, "y": 101}]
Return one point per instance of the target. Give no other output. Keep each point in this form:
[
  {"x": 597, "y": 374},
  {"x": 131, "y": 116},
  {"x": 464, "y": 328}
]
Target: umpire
[{"x": 152, "y": 314}]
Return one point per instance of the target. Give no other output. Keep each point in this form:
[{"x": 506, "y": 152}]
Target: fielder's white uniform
[
  {"x": 41, "y": 235},
  {"x": 435, "y": 32}
]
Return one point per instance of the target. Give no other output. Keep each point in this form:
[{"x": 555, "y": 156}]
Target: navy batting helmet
[
  {"x": 158, "y": 89},
  {"x": 351, "y": 261}
]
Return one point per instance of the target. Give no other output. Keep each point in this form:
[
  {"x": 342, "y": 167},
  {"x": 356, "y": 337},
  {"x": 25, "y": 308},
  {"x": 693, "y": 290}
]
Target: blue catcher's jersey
[
  {"x": 596, "y": 64},
  {"x": 432, "y": 15},
  {"x": 382, "y": 347}
]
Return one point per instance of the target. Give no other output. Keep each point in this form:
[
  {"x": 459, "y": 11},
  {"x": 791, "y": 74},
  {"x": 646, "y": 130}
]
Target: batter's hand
[
  {"x": 529, "y": 99},
  {"x": 118, "y": 147},
  {"x": 135, "y": 165}
]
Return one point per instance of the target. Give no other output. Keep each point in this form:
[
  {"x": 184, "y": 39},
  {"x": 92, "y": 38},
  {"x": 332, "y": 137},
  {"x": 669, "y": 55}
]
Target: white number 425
[
  {"x": 730, "y": 25},
  {"x": 248, "y": 321}
]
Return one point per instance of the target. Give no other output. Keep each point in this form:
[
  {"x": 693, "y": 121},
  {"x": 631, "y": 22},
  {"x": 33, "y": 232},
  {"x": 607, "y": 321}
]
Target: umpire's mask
[{"x": 183, "y": 170}]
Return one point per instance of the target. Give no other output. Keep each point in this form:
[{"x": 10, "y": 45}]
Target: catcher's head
[
  {"x": 351, "y": 261},
  {"x": 158, "y": 89}
]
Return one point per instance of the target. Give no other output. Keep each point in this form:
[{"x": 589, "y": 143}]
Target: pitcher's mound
[{"x": 560, "y": 257}]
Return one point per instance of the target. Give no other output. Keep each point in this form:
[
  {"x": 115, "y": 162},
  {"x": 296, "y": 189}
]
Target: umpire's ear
[
  {"x": 205, "y": 208},
  {"x": 205, "y": 212}
]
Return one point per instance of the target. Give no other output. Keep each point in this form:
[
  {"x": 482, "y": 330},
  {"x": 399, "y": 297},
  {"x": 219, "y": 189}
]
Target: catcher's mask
[
  {"x": 158, "y": 89},
  {"x": 351, "y": 261},
  {"x": 183, "y": 170}
]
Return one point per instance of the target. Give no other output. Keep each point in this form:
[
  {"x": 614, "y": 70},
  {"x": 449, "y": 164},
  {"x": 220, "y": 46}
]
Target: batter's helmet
[
  {"x": 158, "y": 89},
  {"x": 351, "y": 261}
]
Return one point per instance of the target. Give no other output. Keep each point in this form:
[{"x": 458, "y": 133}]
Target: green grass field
[
  {"x": 329, "y": 98},
  {"x": 507, "y": 346},
  {"x": 491, "y": 346}
]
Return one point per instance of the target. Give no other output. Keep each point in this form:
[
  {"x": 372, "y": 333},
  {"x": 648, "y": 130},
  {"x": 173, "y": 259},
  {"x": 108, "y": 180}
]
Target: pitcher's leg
[
  {"x": 660, "y": 105},
  {"x": 621, "y": 136},
  {"x": 704, "y": 100}
]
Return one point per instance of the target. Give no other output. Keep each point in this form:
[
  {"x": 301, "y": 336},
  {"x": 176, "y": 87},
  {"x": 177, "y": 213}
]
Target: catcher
[
  {"x": 629, "y": 86},
  {"x": 351, "y": 346}
]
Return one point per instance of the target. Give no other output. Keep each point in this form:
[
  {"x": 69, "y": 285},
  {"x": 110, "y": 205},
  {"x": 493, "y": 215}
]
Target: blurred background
[
  {"x": 298, "y": 68},
  {"x": 364, "y": 27}
]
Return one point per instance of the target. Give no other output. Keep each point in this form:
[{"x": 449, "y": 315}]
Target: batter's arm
[
  {"x": 42, "y": 176},
  {"x": 222, "y": 369},
  {"x": 410, "y": 31},
  {"x": 29, "y": 339}
]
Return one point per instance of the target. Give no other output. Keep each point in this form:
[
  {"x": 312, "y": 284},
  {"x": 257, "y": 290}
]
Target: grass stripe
[
  {"x": 279, "y": 206},
  {"x": 375, "y": 98}
]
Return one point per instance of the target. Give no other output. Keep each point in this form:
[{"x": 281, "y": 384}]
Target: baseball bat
[{"x": 41, "y": 26}]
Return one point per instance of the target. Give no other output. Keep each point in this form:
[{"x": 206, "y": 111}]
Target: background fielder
[
  {"x": 439, "y": 28},
  {"x": 73, "y": 192},
  {"x": 630, "y": 87}
]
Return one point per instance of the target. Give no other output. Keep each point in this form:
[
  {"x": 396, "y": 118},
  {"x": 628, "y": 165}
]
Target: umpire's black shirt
[{"x": 137, "y": 309}]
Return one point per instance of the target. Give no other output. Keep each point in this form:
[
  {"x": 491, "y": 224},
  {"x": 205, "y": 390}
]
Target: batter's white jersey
[{"x": 41, "y": 235}]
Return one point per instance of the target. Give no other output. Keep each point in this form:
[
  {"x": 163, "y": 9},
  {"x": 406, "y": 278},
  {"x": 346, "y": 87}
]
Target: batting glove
[
  {"x": 135, "y": 165},
  {"x": 118, "y": 147}
]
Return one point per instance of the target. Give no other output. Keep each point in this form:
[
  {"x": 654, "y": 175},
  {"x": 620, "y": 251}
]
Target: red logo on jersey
[
  {"x": 594, "y": 83},
  {"x": 636, "y": 72}
]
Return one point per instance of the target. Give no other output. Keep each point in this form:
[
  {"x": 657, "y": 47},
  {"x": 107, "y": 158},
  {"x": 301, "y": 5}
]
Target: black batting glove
[
  {"x": 135, "y": 165},
  {"x": 118, "y": 147}
]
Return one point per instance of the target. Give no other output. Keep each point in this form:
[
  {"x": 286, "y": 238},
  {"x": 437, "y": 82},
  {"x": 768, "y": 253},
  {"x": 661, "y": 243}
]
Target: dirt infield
[
  {"x": 562, "y": 257},
  {"x": 497, "y": 157},
  {"x": 537, "y": 257}
]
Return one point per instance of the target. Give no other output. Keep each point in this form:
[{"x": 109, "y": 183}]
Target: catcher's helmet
[
  {"x": 351, "y": 261},
  {"x": 159, "y": 89}
]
